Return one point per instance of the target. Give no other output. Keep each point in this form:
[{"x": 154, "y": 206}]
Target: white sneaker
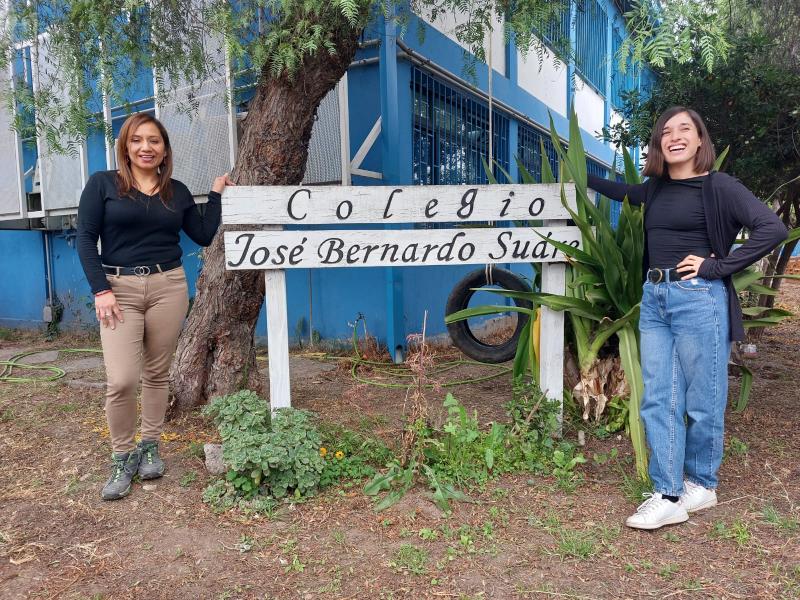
[
  {"x": 656, "y": 512},
  {"x": 695, "y": 497}
]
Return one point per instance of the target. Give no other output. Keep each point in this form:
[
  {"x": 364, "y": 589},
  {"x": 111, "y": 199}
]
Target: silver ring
[{"x": 141, "y": 271}]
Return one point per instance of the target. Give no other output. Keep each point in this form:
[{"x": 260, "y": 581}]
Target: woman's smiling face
[
  {"x": 680, "y": 139},
  {"x": 146, "y": 147}
]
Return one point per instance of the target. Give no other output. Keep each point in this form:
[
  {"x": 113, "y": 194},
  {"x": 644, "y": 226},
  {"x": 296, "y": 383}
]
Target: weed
[
  {"x": 576, "y": 544},
  {"x": 668, "y": 571},
  {"x": 7, "y": 335},
  {"x": 428, "y": 534},
  {"x": 245, "y": 544},
  {"x": 72, "y": 485},
  {"x": 601, "y": 458},
  {"x": 772, "y": 517},
  {"x": 410, "y": 559},
  {"x": 738, "y": 531},
  {"x": 188, "y": 478},
  {"x": 736, "y": 447},
  {"x": 335, "y": 583},
  {"x": 296, "y": 566},
  {"x": 196, "y": 450},
  {"x": 692, "y": 585},
  {"x": 338, "y": 537},
  {"x": 671, "y": 537},
  {"x": 565, "y": 461},
  {"x": 405, "y": 532},
  {"x": 634, "y": 488},
  {"x": 7, "y": 415}
]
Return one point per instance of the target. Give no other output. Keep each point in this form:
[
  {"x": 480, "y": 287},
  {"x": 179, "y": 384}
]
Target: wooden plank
[
  {"x": 405, "y": 247},
  {"x": 551, "y": 356},
  {"x": 345, "y": 205},
  {"x": 277, "y": 339}
]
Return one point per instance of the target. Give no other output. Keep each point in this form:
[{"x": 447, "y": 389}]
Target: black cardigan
[{"x": 728, "y": 206}]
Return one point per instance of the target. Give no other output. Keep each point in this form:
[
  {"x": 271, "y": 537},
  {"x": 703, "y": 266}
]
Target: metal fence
[
  {"x": 451, "y": 135},
  {"x": 529, "y": 151},
  {"x": 620, "y": 82},
  {"x": 591, "y": 51}
]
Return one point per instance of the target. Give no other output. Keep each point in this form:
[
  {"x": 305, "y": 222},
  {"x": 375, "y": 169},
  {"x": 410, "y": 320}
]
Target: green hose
[{"x": 54, "y": 372}]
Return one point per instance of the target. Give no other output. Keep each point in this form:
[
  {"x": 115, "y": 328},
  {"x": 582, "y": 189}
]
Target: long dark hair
[
  {"x": 703, "y": 160},
  {"x": 125, "y": 181}
]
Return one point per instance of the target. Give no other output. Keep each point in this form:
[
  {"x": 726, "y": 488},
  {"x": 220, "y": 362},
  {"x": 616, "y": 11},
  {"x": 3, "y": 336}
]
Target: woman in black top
[
  {"x": 690, "y": 311},
  {"x": 140, "y": 290}
]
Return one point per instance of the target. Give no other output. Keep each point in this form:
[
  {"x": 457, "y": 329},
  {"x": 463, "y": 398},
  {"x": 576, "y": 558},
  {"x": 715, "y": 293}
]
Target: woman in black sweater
[
  {"x": 139, "y": 286},
  {"x": 690, "y": 311}
]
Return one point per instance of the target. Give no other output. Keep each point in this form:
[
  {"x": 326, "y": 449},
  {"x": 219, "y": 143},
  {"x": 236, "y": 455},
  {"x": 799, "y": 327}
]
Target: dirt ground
[{"x": 522, "y": 537}]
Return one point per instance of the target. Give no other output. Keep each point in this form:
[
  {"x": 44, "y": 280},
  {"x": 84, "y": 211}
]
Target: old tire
[{"x": 461, "y": 334}]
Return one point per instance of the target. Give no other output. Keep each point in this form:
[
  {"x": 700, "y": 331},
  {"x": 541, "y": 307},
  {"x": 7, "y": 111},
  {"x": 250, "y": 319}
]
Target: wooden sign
[
  {"x": 394, "y": 248},
  {"x": 343, "y": 205},
  {"x": 273, "y": 249}
]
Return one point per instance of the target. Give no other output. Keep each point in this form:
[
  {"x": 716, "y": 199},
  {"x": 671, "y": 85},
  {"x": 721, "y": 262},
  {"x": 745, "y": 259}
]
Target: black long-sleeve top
[
  {"x": 728, "y": 206},
  {"x": 138, "y": 230}
]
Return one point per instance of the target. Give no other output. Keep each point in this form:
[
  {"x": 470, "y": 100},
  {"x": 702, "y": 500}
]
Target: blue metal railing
[
  {"x": 529, "y": 151},
  {"x": 451, "y": 135},
  {"x": 620, "y": 82},
  {"x": 591, "y": 48}
]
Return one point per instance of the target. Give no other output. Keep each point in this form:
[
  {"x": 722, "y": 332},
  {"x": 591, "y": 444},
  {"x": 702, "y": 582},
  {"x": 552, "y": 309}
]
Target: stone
[
  {"x": 40, "y": 358},
  {"x": 149, "y": 487},
  {"x": 214, "y": 464}
]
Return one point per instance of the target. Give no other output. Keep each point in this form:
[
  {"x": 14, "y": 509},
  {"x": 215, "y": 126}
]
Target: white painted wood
[
  {"x": 344, "y": 128},
  {"x": 366, "y": 173},
  {"x": 278, "y": 339},
  {"x": 317, "y": 205},
  {"x": 366, "y": 145},
  {"x": 402, "y": 247},
  {"x": 551, "y": 348}
]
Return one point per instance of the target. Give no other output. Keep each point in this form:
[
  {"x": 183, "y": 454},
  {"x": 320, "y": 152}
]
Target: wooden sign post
[{"x": 273, "y": 249}]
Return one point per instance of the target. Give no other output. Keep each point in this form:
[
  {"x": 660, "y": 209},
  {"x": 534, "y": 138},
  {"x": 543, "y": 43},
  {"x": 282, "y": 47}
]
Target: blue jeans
[{"x": 685, "y": 348}]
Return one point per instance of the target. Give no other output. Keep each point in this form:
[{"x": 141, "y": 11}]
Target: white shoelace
[{"x": 649, "y": 504}]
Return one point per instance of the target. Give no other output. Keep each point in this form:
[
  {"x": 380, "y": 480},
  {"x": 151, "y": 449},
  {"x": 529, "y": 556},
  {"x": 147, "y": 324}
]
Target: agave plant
[{"x": 604, "y": 283}]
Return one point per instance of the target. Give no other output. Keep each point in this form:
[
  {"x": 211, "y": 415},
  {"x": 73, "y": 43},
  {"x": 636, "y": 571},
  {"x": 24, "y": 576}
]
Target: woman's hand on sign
[
  {"x": 689, "y": 267},
  {"x": 107, "y": 310},
  {"x": 220, "y": 183}
]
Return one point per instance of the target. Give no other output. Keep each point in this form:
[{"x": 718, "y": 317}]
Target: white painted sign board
[{"x": 271, "y": 248}]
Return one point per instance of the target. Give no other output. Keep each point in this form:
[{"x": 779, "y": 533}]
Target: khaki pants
[{"x": 153, "y": 309}]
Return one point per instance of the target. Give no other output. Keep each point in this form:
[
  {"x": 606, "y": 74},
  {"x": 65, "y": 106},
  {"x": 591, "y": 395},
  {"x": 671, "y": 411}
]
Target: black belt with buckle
[
  {"x": 142, "y": 270},
  {"x": 663, "y": 275}
]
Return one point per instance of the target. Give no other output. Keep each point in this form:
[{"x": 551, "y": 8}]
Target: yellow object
[
  {"x": 339, "y": 455},
  {"x": 537, "y": 330},
  {"x": 323, "y": 452}
]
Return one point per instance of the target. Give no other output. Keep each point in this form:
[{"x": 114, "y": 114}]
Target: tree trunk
[
  {"x": 778, "y": 260},
  {"x": 216, "y": 353}
]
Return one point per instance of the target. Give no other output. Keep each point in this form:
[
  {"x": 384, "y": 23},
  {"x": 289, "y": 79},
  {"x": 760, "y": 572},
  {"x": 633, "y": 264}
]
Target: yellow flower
[
  {"x": 339, "y": 454},
  {"x": 323, "y": 451}
]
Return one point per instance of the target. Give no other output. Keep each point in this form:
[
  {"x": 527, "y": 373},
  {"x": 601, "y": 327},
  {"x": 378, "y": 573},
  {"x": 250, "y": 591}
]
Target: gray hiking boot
[
  {"x": 150, "y": 466},
  {"x": 123, "y": 469}
]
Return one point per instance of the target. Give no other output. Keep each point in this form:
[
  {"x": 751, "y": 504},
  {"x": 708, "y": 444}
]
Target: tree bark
[{"x": 216, "y": 353}]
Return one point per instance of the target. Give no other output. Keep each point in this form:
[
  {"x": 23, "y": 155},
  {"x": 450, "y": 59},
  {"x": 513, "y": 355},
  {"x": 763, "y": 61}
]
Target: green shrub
[{"x": 274, "y": 456}]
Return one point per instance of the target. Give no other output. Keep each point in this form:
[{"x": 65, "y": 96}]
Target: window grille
[
  {"x": 529, "y": 151},
  {"x": 619, "y": 82},
  {"x": 556, "y": 32},
  {"x": 451, "y": 135},
  {"x": 591, "y": 58}
]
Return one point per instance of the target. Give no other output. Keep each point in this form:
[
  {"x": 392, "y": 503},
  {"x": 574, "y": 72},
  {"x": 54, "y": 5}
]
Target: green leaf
[
  {"x": 629, "y": 355},
  {"x": 488, "y": 456},
  {"x": 721, "y": 159},
  {"x": 744, "y": 390}
]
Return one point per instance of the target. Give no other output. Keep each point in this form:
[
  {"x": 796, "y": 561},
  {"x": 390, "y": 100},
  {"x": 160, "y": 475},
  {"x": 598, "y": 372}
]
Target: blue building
[{"x": 405, "y": 113}]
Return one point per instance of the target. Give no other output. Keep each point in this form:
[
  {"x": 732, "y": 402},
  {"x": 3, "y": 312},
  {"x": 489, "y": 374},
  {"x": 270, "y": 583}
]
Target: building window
[
  {"x": 529, "y": 151},
  {"x": 556, "y": 33},
  {"x": 620, "y": 82},
  {"x": 451, "y": 135},
  {"x": 592, "y": 44}
]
